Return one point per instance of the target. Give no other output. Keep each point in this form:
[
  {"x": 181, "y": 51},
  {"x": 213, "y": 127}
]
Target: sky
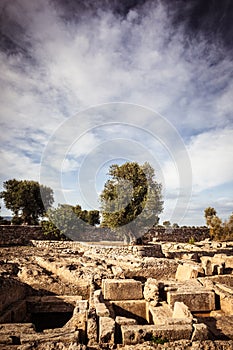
[{"x": 87, "y": 84}]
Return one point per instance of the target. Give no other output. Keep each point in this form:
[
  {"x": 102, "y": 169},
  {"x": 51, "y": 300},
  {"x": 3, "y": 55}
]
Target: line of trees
[{"x": 130, "y": 202}]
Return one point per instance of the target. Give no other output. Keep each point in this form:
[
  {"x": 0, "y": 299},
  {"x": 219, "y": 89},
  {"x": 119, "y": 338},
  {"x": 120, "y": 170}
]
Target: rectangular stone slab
[
  {"x": 136, "y": 309},
  {"x": 122, "y": 289},
  {"x": 195, "y": 300},
  {"x": 134, "y": 334},
  {"x": 106, "y": 330}
]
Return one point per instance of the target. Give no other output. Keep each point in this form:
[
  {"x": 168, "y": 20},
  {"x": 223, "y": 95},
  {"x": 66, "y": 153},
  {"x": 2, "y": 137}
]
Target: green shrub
[
  {"x": 191, "y": 240},
  {"x": 158, "y": 340}
]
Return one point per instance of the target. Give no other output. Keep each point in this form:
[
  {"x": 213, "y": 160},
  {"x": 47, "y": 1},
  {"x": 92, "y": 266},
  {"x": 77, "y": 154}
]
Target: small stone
[
  {"x": 181, "y": 311},
  {"x": 200, "y": 332}
]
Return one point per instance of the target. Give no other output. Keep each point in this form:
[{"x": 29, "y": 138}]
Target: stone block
[
  {"x": 118, "y": 272},
  {"x": 226, "y": 303},
  {"x": 195, "y": 300},
  {"x": 200, "y": 332},
  {"x": 106, "y": 330},
  {"x": 151, "y": 291},
  {"x": 54, "y": 336},
  {"x": 134, "y": 334},
  {"x": 64, "y": 303},
  {"x": 159, "y": 315},
  {"x": 102, "y": 310},
  {"x": 77, "y": 322},
  {"x": 186, "y": 272},
  {"x": 17, "y": 328},
  {"x": 81, "y": 306},
  {"x": 122, "y": 321},
  {"x": 207, "y": 265},
  {"x": 122, "y": 289},
  {"x": 92, "y": 328},
  {"x": 178, "y": 321},
  {"x": 98, "y": 296},
  {"x": 220, "y": 269},
  {"x": 181, "y": 311},
  {"x": 136, "y": 309}
]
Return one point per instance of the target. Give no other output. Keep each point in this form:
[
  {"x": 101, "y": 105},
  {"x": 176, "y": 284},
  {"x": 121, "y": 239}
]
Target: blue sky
[{"x": 86, "y": 85}]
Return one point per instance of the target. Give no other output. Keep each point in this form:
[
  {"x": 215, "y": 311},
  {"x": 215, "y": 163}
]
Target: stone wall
[
  {"x": 181, "y": 234},
  {"x": 19, "y": 235},
  {"x": 105, "y": 249}
]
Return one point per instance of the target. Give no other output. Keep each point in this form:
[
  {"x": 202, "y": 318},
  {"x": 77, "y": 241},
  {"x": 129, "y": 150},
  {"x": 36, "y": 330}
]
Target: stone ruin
[{"x": 71, "y": 295}]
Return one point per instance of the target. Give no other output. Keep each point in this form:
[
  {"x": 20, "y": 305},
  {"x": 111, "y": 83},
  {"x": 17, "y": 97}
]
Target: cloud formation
[{"x": 60, "y": 57}]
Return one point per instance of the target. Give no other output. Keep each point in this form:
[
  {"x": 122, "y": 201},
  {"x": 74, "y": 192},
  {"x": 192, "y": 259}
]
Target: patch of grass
[
  {"x": 158, "y": 340},
  {"x": 191, "y": 240}
]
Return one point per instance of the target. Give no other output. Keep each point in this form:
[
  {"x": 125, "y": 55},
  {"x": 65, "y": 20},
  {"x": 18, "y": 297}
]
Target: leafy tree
[
  {"x": 28, "y": 200},
  {"x": 93, "y": 217},
  {"x": 69, "y": 221},
  {"x": 167, "y": 223},
  {"x": 3, "y": 221},
  {"x": 131, "y": 200},
  {"x": 50, "y": 229},
  {"x": 175, "y": 225},
  {"x": 218, "y": 230},
  {"x": 209, "y": 214}
]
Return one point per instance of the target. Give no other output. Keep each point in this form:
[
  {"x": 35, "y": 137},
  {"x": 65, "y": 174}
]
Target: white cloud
[
  {"x": 65, "y": 66},
  {"x": 211, "y": 154}
]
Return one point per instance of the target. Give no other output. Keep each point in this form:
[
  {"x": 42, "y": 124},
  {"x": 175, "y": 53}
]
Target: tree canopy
[
  {"x": 67, "y": 221},
  {"x": 131, "y": 199},
  {"x": 219, "y": 230},
  {"x": 28, "y": 200}
]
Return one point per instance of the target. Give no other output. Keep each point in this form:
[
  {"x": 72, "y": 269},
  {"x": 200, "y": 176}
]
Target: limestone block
[
  {"x": 178, "y": 321},
  {"x": 186, "y": 272},
  {"x": 220, "y": 269},
  {"x": 106, "y": 330},
  {"x": 229, "y": 262},
  {"x": 77, "y": 322},
  {"x": 151, "y": 291},
  {"x": 130, "y": 308},
  {"x": 17, "y": 328},
  {"x": 207, "y": 266},
  {"x": 159, "y": 315},
  {"x": 50, "y": 303},
  {"x": 200, "y": 332},
  {"x": 102, "y": 310},
  {"x": 92, "y": 332},
  {"x": 81, "y": 306},
  {"x": 135, "y": 334},
  {"x": 55, "y": 336},
  {"x": 226, "y": 303},
  {"x": 122, "y": 321},
  {"x": 195, "y": 300},
  {"x": 181, "y": 311},
  {"x": 122, "y": 289},
  {"x": 98, "y": 296},
  {"x": 117, "y": 272}
]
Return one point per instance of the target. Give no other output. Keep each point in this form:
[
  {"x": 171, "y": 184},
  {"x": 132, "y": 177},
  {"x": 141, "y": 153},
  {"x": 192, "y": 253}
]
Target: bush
[
  {"x": 191, "y": 240},
  {"x": 51, "y": 231},
  {"x": 158, "y": 340}
]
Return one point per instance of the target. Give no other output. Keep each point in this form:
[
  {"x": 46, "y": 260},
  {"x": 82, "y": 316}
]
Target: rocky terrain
[{"x": 70, "y": 295}]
